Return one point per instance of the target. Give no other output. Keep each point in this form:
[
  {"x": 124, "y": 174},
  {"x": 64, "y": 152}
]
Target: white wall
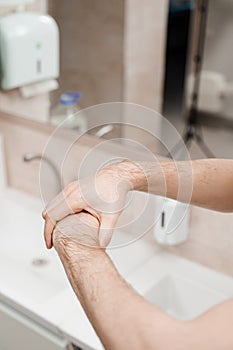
[{"x": 219, "y": 43}]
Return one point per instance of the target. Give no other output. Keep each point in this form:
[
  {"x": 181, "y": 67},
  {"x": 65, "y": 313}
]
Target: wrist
[
  {"x": 132, "y": 173},
  {"x": 71, "y": 251},
  {"x": 152, "y": 177}
]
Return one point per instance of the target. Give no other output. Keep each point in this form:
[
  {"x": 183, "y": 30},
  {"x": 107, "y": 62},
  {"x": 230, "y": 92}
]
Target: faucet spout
[{"x": 28, "y": 157}]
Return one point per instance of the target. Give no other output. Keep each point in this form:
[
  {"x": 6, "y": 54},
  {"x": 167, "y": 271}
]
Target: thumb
[{"x": 106, "y": 229}]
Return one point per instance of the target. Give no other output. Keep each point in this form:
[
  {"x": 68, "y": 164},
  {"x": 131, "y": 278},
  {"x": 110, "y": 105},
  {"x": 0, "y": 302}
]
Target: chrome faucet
[
  {"x": 28, "y": 157},
  {"x": 106, "y": 129}
]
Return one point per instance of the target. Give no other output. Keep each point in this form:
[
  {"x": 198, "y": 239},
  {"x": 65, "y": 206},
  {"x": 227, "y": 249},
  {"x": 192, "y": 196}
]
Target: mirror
[
  {"x": 118, "y": 51},
  {"x": 109, "y": 53}
]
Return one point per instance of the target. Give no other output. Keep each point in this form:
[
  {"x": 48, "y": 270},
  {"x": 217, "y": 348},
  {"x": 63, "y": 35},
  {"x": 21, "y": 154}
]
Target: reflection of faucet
[
  {"x": 106, "y": 129},
  {"x": 28, "y": 157}
]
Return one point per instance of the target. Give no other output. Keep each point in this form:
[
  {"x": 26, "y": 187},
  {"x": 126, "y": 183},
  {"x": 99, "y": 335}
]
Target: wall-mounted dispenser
[
  {"x": 172, "y": 221},
  {"x": 29, "y": 50}
]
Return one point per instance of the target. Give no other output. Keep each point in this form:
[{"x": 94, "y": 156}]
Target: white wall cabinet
[{"x": 19, "y": 332}]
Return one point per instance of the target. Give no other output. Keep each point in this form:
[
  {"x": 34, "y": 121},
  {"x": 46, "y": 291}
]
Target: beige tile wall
[
  {"x": 36, "y": 108},
  {"x": 144, "y": 64},
  {"x": 91, "y": 48},
  {"x": 144, "y": 51},
  {"x": 211, "y": 235},
  {"x": 112, "y": 50}
]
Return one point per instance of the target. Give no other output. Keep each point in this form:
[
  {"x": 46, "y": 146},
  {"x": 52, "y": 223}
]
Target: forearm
[
  {"x": 122, "y": 319},
  {"x": 207, "y": 182},
  {"x": 102, "y": 294},
  {"x": 213, "y": 329}
]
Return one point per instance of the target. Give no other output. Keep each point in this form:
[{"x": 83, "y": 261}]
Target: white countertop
[{"x": 43, "y": 292}]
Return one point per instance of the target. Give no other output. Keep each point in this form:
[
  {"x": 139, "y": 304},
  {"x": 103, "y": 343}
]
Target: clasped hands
[{"x": 86, "y": 211}]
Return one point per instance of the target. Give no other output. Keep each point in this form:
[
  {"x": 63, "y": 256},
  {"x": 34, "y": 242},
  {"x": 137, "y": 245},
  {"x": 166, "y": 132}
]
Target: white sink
[
  {"x": 32, "y": 274},
  {"x": 180, "y": 287},
  {"x": 181, "y": 298}
]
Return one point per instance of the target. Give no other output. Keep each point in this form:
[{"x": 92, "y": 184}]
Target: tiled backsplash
[{"x": 211, "y": 237}]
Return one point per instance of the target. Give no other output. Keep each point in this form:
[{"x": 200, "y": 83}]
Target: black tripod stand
[{"x": 193, "y": 130}]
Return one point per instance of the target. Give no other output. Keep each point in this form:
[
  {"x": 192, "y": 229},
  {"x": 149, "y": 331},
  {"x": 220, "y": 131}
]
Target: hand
[
  {"x": 77, "y": 229},
  {"x": 103, "y": 196}
]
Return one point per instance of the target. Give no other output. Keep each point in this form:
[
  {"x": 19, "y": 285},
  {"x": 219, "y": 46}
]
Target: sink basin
[
  {"x": 26, "y": 267},
  {"x": 179, "y": 287},
  {"x": 181, "y": 298}
]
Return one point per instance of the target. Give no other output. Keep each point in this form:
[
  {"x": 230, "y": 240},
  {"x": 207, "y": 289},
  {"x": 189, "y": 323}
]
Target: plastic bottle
[{"x": 67, "y": 113}]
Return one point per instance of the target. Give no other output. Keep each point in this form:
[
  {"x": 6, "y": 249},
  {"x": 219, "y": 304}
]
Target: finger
[
  {"x": 51, "y": 218},
  {"x": 60, "y": 207},
  {"x": 48, "y": 232},
  {"x": 64, "y": 204},
  {"x": 93, "y": 213},
  {"x": 107, "y": 226}
]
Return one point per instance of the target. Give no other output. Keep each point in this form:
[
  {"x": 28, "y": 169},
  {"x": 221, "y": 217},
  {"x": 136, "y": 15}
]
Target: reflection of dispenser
[
  {"x": 29, "y": 49},
  {"x": 172, "y": 221}
]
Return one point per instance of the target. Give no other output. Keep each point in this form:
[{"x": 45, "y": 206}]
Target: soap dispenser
[{"x": 172, "y": 221}]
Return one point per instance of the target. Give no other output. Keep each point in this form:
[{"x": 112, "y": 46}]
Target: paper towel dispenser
[{"x": 29, "y": 49}]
